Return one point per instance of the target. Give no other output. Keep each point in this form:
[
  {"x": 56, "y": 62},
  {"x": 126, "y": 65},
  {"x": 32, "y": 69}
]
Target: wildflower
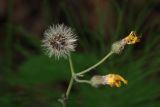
[
  {"x": 59, "y": 40},
  {"x": 113, "y": 80},
  {"x": 132, "y": 38}
]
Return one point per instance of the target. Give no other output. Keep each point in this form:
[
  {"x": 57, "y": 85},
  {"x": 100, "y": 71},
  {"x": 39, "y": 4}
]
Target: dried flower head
[
  {"x": 132, "y": 38},
  {"x": 114, "y": 80},
  {"x": 59, "y": 40}
]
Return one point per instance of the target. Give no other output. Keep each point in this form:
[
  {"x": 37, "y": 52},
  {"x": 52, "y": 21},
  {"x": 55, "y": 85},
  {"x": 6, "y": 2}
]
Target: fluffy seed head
[{"x": 59, "y": 40}]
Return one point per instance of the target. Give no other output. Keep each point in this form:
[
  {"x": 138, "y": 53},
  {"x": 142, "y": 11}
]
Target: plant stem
[
  {"x": 72, "y": 78},
  {"x": 71, "y": 65},
  {"x": 82, "y": 81},
  {"x": 95, "y": 65},
  {"x": 63, "y": 99},
  {"x": 69, "y": 87}
]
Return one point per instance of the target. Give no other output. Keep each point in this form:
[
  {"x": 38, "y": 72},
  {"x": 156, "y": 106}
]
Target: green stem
[
  {"x": 69, "y": 87},
  {"x": 71, "y": 80},
  {"x": 95, "y": 65},
  {"x": 63, "y": 99},
  {"x": 82, "y": 81},
  {"x": 71, "y": 65}
]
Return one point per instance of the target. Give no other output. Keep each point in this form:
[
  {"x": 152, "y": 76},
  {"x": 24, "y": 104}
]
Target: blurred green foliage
[{"x": 40, "y": 81}]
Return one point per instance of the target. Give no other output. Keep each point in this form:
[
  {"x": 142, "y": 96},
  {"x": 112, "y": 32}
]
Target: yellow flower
[
  {"x": 114, "y": 80},
  {"x": 132, "y": 38},
  {"x": 118, "y": 46}
]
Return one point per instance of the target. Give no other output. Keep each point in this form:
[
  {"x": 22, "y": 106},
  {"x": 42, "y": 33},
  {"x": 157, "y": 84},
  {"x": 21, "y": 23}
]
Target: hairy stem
[
  {"x": 73, "y": 76},
  {"x": 71, "y": 65},
  {"x": 71, "y": 80},
  {"x": 95, "y": 65},
  {"x": 69, "y": 87},
  {"x": 63, "y": 99},
  {"x": 82, "y": 81}
]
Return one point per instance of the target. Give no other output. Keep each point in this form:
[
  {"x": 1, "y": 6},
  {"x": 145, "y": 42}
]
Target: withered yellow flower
[
  {"x": 118, "y": 46},
  {"x": 114, "y": 80},
  {"x": 132, "y": 38}
]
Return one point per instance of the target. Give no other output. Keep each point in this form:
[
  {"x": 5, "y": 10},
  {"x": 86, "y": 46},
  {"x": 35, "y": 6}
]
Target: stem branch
[
  {"x": 65, "y": 97},
  {"x": 82, "y": 81},
  {"x": 72, "y": 78},
  {"x": 95, "y": 65},
  {"x": 69, "y": 87}
]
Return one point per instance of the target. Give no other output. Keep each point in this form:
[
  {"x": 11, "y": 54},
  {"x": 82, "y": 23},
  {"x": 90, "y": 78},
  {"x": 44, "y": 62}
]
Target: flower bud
[
  {"x": 132, "y": 38},
  {"x": 113, "y": 80},
  {"x": 118, "y": 46},
  {"x": 97, "y": 80}
]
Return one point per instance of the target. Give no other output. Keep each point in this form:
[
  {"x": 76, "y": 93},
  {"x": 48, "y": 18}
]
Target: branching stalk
[
  {"x": 69, "y": 87},
  {"x": 65, "y": 97},
  {"x": 82, "y": 81},
  {"x": 74, "y": 76},
  {"x": 95, "y": 65}
]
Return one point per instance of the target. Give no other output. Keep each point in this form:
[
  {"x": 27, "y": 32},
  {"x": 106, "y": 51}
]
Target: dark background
[{"x": 28, "y": 78}]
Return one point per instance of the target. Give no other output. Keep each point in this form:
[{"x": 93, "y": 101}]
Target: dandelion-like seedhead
[{"x": 59, "y": 40}]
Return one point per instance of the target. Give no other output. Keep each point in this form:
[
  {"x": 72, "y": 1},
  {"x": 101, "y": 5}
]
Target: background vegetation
[{"x": 28, "y": 78}]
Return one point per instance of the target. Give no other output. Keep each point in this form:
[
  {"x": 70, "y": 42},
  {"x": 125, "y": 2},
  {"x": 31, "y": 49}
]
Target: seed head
[{"x": 59, "y": 40}]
